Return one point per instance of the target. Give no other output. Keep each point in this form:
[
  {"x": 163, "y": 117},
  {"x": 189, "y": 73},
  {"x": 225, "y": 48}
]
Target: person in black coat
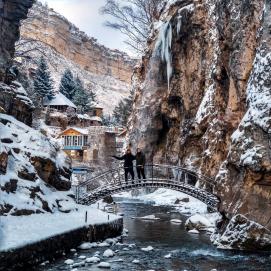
[
  {"x": 128, "y": 158},
  {"x": 140, "y": 164}
]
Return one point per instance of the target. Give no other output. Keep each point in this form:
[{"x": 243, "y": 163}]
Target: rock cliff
[
  {"x": 32, "y": 169},
  {"x": 106, "y": 72},
  {"x": 11, "y": 12},
  {"x": 203, "y": 101}
]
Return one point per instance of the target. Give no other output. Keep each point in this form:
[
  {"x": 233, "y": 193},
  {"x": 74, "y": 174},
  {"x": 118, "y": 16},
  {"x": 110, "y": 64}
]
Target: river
[{"x": 191, "y": 252}]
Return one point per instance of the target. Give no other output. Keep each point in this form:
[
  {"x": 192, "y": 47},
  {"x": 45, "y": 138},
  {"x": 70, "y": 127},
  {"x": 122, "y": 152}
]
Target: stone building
[{"x": 91, "y": 146}]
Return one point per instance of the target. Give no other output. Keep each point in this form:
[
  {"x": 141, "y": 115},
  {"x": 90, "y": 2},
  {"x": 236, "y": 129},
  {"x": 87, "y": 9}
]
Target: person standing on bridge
[
  {"x": 128, "y": 158},
  {"x": 140, "y": 164}
]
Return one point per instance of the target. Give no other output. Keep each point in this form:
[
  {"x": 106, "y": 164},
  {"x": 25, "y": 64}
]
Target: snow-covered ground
[
  {"x": 164, "y": 196},
  {"x": 18, "y": 231}
]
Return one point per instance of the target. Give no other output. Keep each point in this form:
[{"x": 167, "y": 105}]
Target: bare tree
[{"x": 133, "y": 18}]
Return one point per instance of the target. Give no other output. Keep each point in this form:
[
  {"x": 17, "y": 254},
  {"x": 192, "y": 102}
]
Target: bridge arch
[{"x": 157, "y": 176}]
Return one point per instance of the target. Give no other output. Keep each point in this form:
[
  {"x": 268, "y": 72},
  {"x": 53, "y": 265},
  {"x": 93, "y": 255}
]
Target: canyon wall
[
  {"x": 104, "y": 71},
  {"x": 46, "y": 25},
  {"x": 11, "y": 12},
  {"x": 203, "y": 99}
]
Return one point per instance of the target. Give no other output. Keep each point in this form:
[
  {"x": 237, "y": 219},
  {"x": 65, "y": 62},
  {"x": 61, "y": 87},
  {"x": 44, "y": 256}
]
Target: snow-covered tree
[
  {"x": 109, "y": 120},
  {"x": 81, "y": 98},
  {"x": 43, "y": 83},
  {"x": 67, "y": 84},
  {"x": 123, "y": 110}
]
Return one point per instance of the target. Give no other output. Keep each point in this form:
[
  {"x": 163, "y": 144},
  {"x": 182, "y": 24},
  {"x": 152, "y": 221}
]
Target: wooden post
[{"x": 86, "y": 217}]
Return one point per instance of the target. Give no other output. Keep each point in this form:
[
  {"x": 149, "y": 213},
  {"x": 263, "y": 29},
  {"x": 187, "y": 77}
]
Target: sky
[{"x": 86, "y": 16}]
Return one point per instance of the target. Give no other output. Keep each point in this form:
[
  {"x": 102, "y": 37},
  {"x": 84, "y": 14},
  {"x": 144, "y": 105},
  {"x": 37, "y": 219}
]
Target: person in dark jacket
[
  {"x": 140, "y": 164},
  {"x": 128, "y": 158}
]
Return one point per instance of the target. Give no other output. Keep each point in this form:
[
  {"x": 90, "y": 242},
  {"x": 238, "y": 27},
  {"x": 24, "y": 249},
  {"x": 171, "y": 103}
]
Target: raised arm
[{"x": 119, "y": 157}]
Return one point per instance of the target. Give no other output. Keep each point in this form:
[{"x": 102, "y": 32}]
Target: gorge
[{"x": 202, "y": 101}]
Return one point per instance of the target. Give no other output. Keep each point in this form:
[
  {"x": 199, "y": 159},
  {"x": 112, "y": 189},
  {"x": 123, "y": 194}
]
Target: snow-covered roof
[
  {"x": 79, "y": 130},
  {"x": 96, "y": 105},
  {"x": 95, "y": 118},
  {"x": 83, "y": 116},
  {"x": 59, "y": 99}
]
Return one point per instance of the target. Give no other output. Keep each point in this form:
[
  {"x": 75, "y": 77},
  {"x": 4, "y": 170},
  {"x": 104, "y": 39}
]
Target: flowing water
[{"x": 189, "y": 251}]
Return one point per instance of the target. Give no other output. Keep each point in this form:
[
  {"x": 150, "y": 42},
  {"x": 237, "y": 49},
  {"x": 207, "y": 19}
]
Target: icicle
[
  {"x": 163, "y": 48},
  {"x": 179, "y": 24}
]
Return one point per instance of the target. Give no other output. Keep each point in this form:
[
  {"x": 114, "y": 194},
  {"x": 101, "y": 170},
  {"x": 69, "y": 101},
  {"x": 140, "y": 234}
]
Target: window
[
  {"x": 85, "y": 140},
  {"x": 80, "y": 141}
]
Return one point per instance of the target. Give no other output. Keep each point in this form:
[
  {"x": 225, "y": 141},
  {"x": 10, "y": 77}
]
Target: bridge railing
[{"x": 154, "y": 173}]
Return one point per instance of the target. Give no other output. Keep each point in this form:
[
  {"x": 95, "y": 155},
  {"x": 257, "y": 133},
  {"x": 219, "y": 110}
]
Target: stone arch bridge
[{"x": 157, "y": 176}]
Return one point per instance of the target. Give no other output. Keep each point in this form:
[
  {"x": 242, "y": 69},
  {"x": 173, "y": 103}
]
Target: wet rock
[
  {"x": 49, "y": 173},
  {"x": 5, "y": 208},
  {"x": 6, "y": 140},
  {"x": 178, "y": 201},
  {"x": 22, "y": 212},
  {"x": 108, "y": 200},
  {"x": 11, "y": 186},
  {"x": 3, "y": 162},
  {"x": 26, "y": 175},
  {"x": 242, "y": 233}
]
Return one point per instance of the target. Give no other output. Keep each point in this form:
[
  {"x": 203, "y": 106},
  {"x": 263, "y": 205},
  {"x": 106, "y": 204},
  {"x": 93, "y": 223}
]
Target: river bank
[{"x": 29, "y": 240}]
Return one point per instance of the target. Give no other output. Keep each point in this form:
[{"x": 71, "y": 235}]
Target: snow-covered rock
[
  {"x": 32, "y": 168},
  {"x": 103, "y": 244},
  {"x": 198, "y": 222},
  {"x": 93, "y": 259},
  {"x": 69, "y": 261},
  {"x": 108, "y": 253},
  {"x": 148, "y": 248},
  {"x": 148, "y": 217},
  {"x": 87, "y": 245},
  {"x": 242, "y": 233},
  {"x": 136, "y": 261},
  {"x": 168, "y": 256}
]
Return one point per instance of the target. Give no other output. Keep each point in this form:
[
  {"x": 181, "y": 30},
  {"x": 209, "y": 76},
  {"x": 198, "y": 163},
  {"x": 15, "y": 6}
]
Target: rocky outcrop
[
  {"x": 15, "y": 102},
  {"x": 242, "y": 233},
  {"x": 32, "y": 170},
  {"x": 203, "y": 98},
  {"x": 11, "y": 13}
]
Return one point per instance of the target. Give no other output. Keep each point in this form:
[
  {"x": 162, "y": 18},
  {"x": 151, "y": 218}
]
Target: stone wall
[{"x": 33, "y": 254}]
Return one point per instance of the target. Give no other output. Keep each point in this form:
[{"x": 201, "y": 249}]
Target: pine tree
[
  {"x": 82, "y": 99},
  {"x": 43, "y": 83},
  {"x": 67, "y": 84},
  {"x": 123, "y": 110}
]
